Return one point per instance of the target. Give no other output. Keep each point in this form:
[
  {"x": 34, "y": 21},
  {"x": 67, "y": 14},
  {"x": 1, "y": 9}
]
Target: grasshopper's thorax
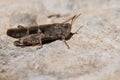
[{"x": 57, "y": 30}]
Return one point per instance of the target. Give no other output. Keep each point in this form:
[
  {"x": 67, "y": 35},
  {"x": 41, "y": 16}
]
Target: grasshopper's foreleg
[{"x": 63, "y": 39}]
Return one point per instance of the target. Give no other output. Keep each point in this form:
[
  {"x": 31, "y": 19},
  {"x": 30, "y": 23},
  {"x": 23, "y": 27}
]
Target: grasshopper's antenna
[
  {"x": 77, "y": 30},
  {"x": 69, "y": 19},
  {"x": 75, "y": 17},
  {"x": 72, "y": 18}
]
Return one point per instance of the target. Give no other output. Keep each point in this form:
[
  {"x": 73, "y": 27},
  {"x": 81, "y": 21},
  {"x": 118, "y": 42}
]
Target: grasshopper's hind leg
[{"x": 17, "y": 43}]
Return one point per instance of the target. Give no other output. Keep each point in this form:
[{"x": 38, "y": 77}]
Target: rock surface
[{"x": 94, "y": 52}]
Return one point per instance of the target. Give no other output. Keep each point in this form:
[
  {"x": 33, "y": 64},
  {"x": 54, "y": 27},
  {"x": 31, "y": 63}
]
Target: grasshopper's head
[
  {"x": 16, "y": 32},
  {"x": 67, "y": 27}
]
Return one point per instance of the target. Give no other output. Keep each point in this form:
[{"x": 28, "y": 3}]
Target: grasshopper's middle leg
[{"x": 40, "y": 42}]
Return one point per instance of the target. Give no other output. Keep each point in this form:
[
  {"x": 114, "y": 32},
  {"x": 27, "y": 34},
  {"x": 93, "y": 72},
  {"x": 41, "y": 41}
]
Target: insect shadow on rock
[{"x": 42, "y": 34}]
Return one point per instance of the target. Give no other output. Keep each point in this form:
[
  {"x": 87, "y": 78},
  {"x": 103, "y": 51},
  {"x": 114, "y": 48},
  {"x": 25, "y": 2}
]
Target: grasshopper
[{"x": 36, "y": 35}]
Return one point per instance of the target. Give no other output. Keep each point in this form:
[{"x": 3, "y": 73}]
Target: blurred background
[
  {"x": 26, "y": 12},
  {"x": 94, "y": 52}
]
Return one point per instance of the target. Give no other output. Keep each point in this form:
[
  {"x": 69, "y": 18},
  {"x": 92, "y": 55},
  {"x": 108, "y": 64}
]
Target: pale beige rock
[{"x": 94, "y": 52}]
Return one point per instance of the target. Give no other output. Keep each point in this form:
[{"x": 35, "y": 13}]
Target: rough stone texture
[
  {"x": 23, "y": 19},
  {"x": 94, "y": 52}
]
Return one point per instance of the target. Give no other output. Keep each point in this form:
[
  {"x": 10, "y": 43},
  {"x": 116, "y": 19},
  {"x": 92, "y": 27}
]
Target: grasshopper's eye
[{"x": 67, "y": 25}]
